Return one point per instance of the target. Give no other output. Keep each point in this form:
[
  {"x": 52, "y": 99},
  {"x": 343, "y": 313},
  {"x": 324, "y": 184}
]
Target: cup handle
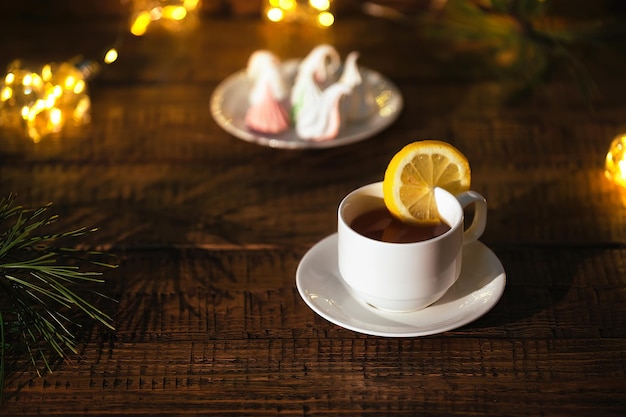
[{"x": 476, "y": 229}]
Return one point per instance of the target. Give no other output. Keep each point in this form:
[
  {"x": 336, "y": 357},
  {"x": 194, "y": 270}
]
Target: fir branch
[
  {"x": 518, "y": 40},
  {"x": 42, "y": 279}
]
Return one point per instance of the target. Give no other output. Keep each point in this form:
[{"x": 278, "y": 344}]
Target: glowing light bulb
[
  {"x": 615, "y": 165},
  {"x": 110, "y": 56},
  {"x": 325, "y": 19},
  {"x": 320, "y": 4},
  {"x": 173, "y": 15},
  {"x": 316, "y": 12},
  {"x": 275, "y": 14},
  {"x": 39, "y": 100},
  {"x": 174, "y": 12},
  {"x": 287, "y": 4}
]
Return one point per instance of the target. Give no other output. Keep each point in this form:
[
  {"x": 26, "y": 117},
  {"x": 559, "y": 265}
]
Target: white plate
[
  {"x": 477, "y": 290},
  {"x": 229, "y": 103}
]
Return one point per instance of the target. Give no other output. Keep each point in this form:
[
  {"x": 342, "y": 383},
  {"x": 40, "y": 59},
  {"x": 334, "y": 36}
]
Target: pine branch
[
  {"x": 518, "y": 41},
  {"x": 42, "y": 282}
]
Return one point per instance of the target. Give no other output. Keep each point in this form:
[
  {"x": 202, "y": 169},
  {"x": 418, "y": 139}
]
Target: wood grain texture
[
  {"x": 210, "y": 230},
  {"x": 212, "y": 332}
]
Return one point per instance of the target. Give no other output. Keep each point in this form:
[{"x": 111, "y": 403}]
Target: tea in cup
[{"x": 399, "y": 267}]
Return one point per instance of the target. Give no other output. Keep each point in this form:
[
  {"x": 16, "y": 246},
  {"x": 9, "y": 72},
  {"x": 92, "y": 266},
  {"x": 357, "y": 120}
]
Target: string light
[
  {"x": 318, "y": 12},
  {"x": 169, "y": 13},
  {"x": 39, "y": 100},
  {"x": 110, "y": 56},
  {"x": 615, "y": 166}
]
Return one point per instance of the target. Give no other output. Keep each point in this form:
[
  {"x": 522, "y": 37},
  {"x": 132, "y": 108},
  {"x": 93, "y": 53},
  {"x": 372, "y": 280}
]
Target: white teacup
[{"x": 405, "y": 276}]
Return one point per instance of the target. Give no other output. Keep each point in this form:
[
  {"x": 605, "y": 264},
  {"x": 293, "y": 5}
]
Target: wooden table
[{"x": 210, "y": 229}]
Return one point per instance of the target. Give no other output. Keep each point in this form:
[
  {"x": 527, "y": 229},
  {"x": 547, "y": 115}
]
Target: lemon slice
[{"x": 413, "y": 174}]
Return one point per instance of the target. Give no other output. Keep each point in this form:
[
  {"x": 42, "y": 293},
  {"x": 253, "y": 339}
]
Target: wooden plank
[
  {"x": 213, "y": 331},
  {"x": 210, "y": 231}
]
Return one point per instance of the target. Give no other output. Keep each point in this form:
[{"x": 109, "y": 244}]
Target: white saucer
[
  {"x": 477, "y": 290},
  {"x": 229, "y": 103}
]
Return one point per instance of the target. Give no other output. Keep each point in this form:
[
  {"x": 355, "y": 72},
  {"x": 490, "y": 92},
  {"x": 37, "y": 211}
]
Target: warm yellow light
[
  {"x": 33, "y": 133},
  {"x": 56, "y": 117},
  {"x": 156, "y": 13},
  {"x": 79, "y": 87},
  {"x": 309, "y": 11},
  {"x": 622, "y": 170},
  {"x": 275, "y": 14},
  {"x": 174, "y": 12},
  {"x": 40, "y": 103},
  {"x": 383, "y": 98},
  {"x": 81, "y": 113},
  {"x": 326, "y": 19},
  {"x": 69, "y": 83},
  {"x": 191, "y": 4},
  {"x": 7, "y": 93},
  {"x": 110, "y": 56},
  {"x": 172, "y": 15},
  {"x": 36, "y": 81},
  {"x": 140, "y": 24},
  {"x": 9, "y": 78},
  {"x": 615, "y": 165},
  {"x": 37, "y": 107},
  {"x": 287, "y": 4},
  {"x": 50, "y": 101},
  {"x": 57, "y": 91},
  {"x": 46, "y": 72},
  {"x": 320, "y": 4},
  {"x": 32, "y": 113},
  {"x": 27, "y": 81}
]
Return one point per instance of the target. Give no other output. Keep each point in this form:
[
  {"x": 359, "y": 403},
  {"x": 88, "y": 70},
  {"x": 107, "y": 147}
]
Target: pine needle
[
  {"x": 40, "y": 281},
  {"x": 520, "y": 42}
]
